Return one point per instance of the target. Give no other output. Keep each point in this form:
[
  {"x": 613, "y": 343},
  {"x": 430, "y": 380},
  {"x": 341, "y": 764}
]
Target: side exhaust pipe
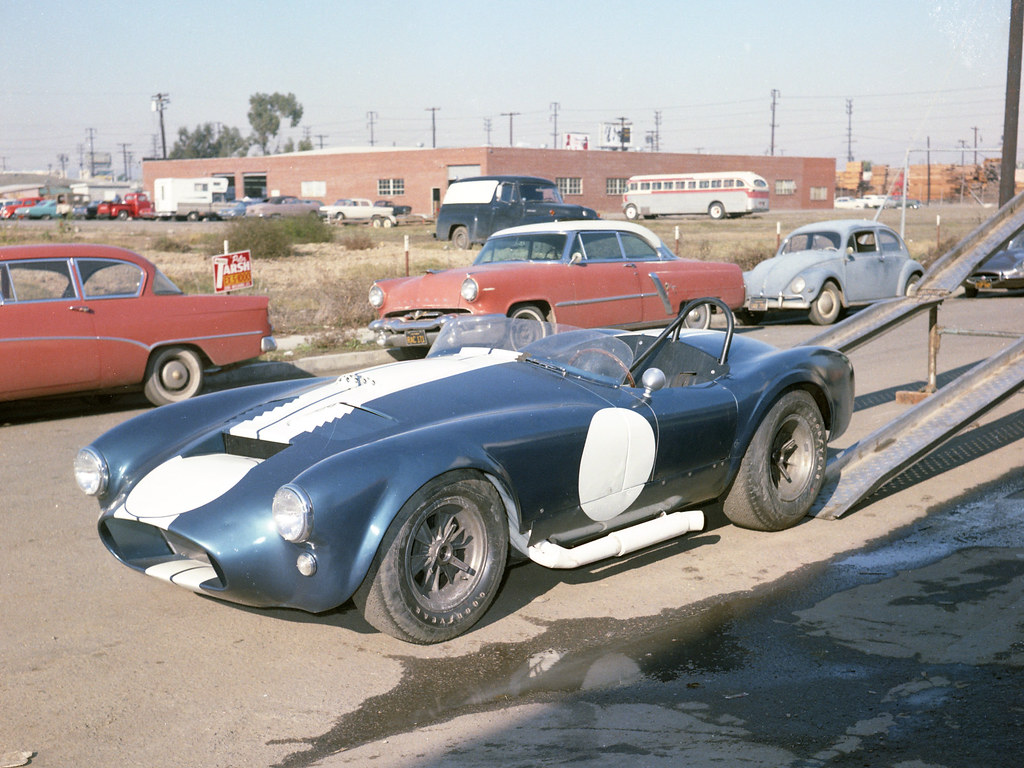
[{"x": 618, "y": 543}]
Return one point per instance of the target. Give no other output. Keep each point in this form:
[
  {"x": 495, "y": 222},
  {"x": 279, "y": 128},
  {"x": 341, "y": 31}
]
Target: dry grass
[{"x": 320, "y": 291}]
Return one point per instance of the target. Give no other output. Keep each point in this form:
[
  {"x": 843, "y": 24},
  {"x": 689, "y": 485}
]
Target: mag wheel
[
  {"x": 783, "y": 468},
  {"x": 441, "y": 562},
  {"x": 173, "y": 374}
]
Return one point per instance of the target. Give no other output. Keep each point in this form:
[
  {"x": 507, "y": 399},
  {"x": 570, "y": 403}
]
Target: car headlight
[
  {"x": 293, "y": 513},
  {"x": 470, "y": 290},
  {"x": 798, "y": 285},
  {"x": 376, "y": 296},
  {"x": 91, "y": 472}
]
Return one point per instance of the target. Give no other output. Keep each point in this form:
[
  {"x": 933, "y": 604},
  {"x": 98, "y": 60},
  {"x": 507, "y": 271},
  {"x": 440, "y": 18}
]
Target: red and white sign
[{"x": 232, "y": 271}]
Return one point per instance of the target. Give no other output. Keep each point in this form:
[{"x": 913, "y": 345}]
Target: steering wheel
[{"x": 606, "y": 353}]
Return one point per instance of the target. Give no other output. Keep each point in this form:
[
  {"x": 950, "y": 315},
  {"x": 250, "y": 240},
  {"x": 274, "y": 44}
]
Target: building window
[
  {"x": 570, "y": 185},
  {"x": 615, "y": 186},
  {"x": 390, "y": 187},
  {"x": 819, "y": 193},
  {"x": 785, "y": 187}
]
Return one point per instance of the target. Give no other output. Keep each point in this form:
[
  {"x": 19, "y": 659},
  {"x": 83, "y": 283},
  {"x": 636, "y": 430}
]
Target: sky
[{"x": 878, "y": 78}]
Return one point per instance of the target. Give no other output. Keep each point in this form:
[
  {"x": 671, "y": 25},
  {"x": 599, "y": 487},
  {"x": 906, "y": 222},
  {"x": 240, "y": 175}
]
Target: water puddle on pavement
[{"x": 899, "y": 650}]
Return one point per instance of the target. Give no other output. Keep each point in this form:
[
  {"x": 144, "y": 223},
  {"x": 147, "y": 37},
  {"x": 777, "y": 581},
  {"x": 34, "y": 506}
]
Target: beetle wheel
[
  {"x": 173, "y": 374},
  {"x": 826, "y": 308},
  {"x": 783, "y": 469},
  {"x": 439, "y": 566}
]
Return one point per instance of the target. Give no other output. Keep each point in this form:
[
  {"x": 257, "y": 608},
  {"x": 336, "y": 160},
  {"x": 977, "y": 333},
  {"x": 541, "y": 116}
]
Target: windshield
[
  {"x": 593, "y": 353},
  {"x": 811, "y": 241},
  {"x": 545, "y": 193},
  {"x": 538, "y": 247}
]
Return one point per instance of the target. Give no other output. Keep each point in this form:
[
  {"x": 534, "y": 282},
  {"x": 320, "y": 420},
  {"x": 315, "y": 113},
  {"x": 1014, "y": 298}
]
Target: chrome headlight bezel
[
  {"x": 293, "y": 513},
  {"x": 376, "y": 296},
  {"x": 470, "y": 289},
  {"x": 798, "y": 285},
  {"x": 92, "y": 474}
]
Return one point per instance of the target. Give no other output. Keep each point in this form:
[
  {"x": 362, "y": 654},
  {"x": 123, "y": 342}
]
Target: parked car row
[{"x": 875, "y": 201}]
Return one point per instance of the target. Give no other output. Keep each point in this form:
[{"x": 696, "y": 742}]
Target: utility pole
[
  {"x": 63, "y": 160},
  {"x": 159, "y": 103},
  {"x": 487, "y": 129},
  {"x": 657, "y": 130},
  {"x": 623, "y": 133},
  {"x": 124, "y": 154},
  {"x": 975, "y": 129},
  {"x": 1008, "y": 164},
  {"x": 92, "y": 155},
  {"x": 774, "y": 125},
  {"x": 510, "y": 115},
  {"x": 371, "y": 117},
  {"x": 433, "y": 125},
  {"x": 554, "y": 118},
  {"x": 849, "y": 130}
]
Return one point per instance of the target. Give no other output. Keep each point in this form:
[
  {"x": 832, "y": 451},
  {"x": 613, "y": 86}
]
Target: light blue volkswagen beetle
[{"x": 830, "y": 265}]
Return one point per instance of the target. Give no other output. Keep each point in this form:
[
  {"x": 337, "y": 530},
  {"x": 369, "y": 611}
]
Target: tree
[
  {"x": 266, "y": 112},
  {"x": 207, "y": 141}
]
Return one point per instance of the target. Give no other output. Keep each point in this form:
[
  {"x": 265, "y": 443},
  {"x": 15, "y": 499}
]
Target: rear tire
[
  {"x": 716, "y": 211},
  {"x": 632, "y": 213},
  {"x": 440, "y": 563},
  {"x": 698, "y": 318},
  {"x": 173, "y": 374},
  {"x": 783, "y": 469}
]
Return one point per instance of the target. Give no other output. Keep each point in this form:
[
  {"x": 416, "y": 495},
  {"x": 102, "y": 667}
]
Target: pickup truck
[
  {"x": 359, "y": 210},
  {"x": 475, "y": 208},
  {"x": 136, "y": 205}
]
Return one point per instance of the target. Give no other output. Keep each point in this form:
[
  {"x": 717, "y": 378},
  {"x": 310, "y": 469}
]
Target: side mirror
[
  {"x": 653, "y": 380},
  {"x": 849, "y": 250},
  {"x": 576, "y": 258}
]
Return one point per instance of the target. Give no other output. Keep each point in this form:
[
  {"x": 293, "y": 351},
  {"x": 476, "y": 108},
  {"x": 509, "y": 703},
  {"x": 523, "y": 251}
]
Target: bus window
[
  {"x": 705, "y": 185},
  {"x": 739, "y": 183},
  {"x": 691, "y": 185},
  {"x": 645, "y": 185},
  {"x": 728, "y": 183},
  {"x": 716, "y": 183}
]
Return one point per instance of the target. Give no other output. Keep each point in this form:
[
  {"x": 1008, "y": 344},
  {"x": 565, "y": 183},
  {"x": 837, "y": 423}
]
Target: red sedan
[
  {"x": 76, "y": 318},
  {"x": 580, "y": 273}
]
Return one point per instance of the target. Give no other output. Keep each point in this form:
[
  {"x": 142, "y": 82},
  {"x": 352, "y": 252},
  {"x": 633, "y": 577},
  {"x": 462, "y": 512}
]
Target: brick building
[{"x": 418, "y": 177}]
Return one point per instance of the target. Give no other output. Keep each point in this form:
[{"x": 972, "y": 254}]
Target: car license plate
[
  {"x": 416, "y": 338},
  {"x": 758, "y": 305}
]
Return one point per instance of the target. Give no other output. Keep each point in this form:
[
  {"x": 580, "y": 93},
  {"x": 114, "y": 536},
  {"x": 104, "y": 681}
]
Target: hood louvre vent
[{"x": 251, "y": 448}]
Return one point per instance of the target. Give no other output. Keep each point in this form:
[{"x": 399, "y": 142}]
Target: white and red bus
[{"x": 716, "y": 194}]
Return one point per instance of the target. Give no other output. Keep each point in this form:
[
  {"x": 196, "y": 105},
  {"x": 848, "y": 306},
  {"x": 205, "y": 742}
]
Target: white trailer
[{"x": 190, "y": 199}]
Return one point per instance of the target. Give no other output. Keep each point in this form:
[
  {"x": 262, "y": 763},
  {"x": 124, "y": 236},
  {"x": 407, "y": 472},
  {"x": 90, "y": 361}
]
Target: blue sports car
[{"x": 407, "y": 487}]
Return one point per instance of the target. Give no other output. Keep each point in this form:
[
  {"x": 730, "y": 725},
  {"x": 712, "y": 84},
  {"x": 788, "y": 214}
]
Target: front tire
[
  {"x": 460, "y": 238},
  {"x": 716, "y": 211},
  {"x": 783, "y": 469},
  {"x": 173, "y": 374},
  {"x": 632, "y": 212},
  {"x": 826, "y": 308},
  {"x": 440, "y": 563}
]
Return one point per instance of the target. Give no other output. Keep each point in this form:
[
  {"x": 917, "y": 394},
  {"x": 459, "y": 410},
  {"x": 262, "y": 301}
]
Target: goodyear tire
[
  {"x": 783, "y": 468},
  {"x": 440, "y": 563},
  {"x": 173, "y": 374}
]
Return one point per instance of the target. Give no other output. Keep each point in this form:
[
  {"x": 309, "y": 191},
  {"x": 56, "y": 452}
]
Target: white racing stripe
[{"x": 355, "y": 390}]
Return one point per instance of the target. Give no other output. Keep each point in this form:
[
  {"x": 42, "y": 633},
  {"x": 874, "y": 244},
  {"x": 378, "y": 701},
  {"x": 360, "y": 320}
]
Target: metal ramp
[{"x": 864, "y": 467}]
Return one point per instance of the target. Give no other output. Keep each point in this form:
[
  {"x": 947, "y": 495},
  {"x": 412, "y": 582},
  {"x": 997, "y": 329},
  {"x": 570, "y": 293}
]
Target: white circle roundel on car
[{"x": 618, "y": 457}]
